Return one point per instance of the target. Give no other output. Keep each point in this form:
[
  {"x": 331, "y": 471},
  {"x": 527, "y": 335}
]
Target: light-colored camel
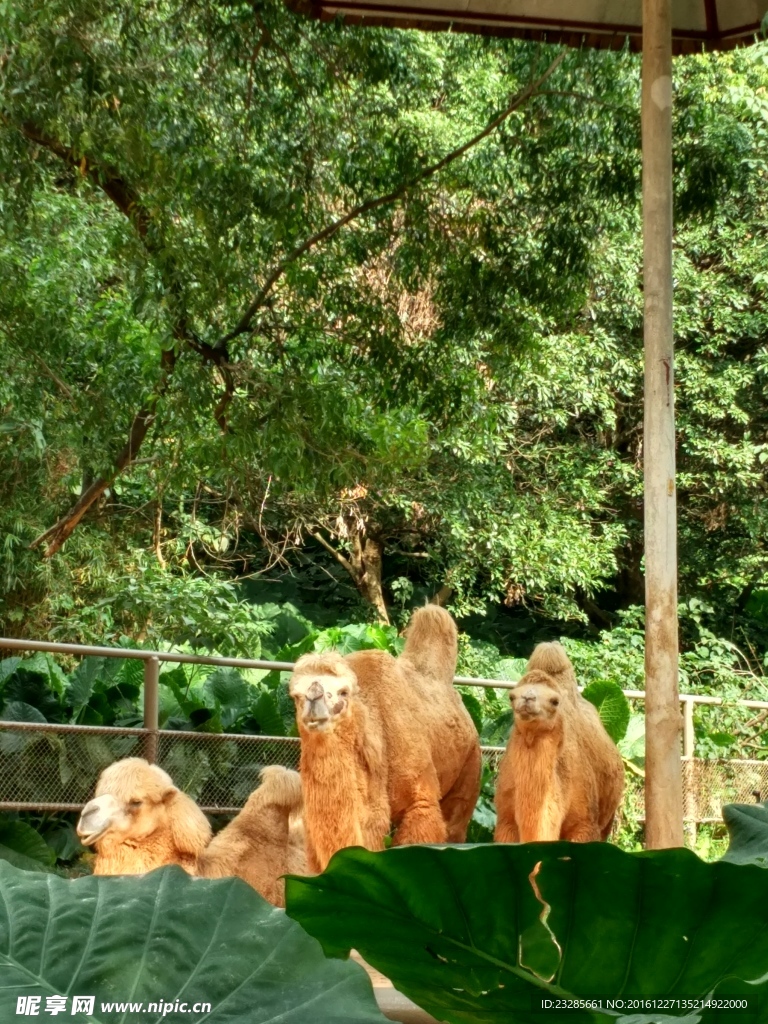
[
  {"x": 385, "y": 741},
  {"x": 139, "y": 821},
  {"x": 262, "y": 843},
  {"x": 561, "y": 776}
]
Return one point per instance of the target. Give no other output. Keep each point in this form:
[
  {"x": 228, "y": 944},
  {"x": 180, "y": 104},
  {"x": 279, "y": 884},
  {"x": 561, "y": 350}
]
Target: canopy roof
[{"x": 607, "y": 24}]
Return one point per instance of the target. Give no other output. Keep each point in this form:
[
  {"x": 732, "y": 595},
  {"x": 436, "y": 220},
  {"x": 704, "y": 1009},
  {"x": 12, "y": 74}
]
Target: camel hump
[
  {"x": 280, "y": 787},
  {"x": 552, "y": 659},
  {"x": 431, "y": 643}
]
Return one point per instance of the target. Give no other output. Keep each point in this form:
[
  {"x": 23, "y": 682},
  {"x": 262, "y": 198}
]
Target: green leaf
[
  {"x": 475, "y": 709},
  {"x": 612, "y": 706},
  {"x": 268, "y": 714},
  {"x": 25, "y": 848},
  {"x": 7, "y": 667},
  {"x": 465, "y": 933},
  {"x": 18, "y": 711},
  {"x": 81, "y": 682},
  {"x": 64, "y": 842},
  {"x": 45, "y": 665},
  {"x": 632, "y": 745},
  {"x": 228, "y": 692},
  {"x": 747, "y": 826},
  {"x": 166, "y": 936}
]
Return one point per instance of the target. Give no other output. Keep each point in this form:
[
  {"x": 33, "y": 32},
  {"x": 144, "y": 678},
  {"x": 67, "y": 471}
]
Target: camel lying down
[{"x": 139, "y": 820}]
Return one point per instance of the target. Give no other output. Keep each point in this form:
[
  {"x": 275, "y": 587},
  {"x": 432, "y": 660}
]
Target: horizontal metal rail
[{"x": 13, "y": 644}]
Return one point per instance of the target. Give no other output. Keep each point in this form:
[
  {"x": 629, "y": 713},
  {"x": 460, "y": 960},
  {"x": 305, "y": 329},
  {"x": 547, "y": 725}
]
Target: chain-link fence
[{"x": 55, "y": 767}]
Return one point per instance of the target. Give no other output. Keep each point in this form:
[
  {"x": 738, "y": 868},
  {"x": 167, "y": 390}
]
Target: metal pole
[
  {"x": 663, "y": 782},
  {"x": 151, "y": 677}
]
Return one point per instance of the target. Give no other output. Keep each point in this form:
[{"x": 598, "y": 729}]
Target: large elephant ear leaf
[
  {"x": 481, "y": 934},
  {"x": 612, "y": 706},
  {"x": 22, "y": 846},
  {"x": 748, "y": 830},
  {"x": 165, "y": 936}
]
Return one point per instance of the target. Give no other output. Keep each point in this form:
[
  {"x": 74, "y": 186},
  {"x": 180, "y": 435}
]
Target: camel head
[
  {"x": 535, "y": 702},
  {"x": 135, "y": 800},
  {"x": 323, "y": 688}
]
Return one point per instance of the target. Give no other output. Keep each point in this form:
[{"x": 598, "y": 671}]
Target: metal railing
[{"x": 220, "y": 767}]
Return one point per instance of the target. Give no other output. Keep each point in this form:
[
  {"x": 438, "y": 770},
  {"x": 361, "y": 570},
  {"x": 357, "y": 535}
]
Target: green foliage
[
  {"x": 167, "y": 936},
  {"x": 476, "y": 934},
  {"x": 23, "y": 847},
  {"x": 747, "y": 826},
  {"x": 612, "y": 706}
]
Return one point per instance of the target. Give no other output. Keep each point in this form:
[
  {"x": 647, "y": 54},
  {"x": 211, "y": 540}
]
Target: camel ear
[{"x": 190, "y": 828}]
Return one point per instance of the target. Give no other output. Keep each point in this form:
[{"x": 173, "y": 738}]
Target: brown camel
[
  {"x": 139, "y": 821},
  {"x": 561, "y": 776},
  {"x": 385, "y": 741}
]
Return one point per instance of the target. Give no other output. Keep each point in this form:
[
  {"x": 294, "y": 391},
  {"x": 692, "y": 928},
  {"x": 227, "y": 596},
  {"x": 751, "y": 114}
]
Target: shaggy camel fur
[
  {"x": 261, "y": 844},
  {"x": 139, "y": 821},
  {"x": 561, "y": 776},
  {"x": 384, "y": 741}
]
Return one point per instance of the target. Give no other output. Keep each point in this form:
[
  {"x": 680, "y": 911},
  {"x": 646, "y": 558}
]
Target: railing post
[
  {"x": 690, "y": 803},
  {"x": 151, "y": 677},
  {"x": 688, "y": 735}
]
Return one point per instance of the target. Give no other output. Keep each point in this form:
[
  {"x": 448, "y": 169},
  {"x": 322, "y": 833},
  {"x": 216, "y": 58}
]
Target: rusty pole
[
  {"x": 151, "y": 678},
  {"x": 663, "y": 781}
]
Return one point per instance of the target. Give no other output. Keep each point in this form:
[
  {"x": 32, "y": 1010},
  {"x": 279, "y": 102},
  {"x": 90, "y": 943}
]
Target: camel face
[
  {"x": 135, "y": 819},
  {"x": 535, "y": 705},
  {"x": 323, "y": 689},
  {"x": 130, "y": 803}
]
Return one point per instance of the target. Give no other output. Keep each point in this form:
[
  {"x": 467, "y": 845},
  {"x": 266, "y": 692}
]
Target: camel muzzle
[
  {"x": 316, "y": 712},
  {"x": 92, "y": 824}
]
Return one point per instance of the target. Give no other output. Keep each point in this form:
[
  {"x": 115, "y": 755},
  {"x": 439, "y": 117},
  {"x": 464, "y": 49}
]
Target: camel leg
[
  {"x": 506, "y": 831},
  {"x": 583, "y": 832},
  {"x": 459, "y": 802},
  {"x": 422, "y": 821},
  {"x": 604, "y": 833}
]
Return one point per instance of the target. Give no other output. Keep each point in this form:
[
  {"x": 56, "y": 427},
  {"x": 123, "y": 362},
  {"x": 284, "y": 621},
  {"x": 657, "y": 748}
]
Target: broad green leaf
[
  {"x": 227, "y": 687},
  {"x": 7, "y": 667},
  {"x": 632, "y": 745},
  {"x": 612, "y": 706},
  {"x": 18, "y": 711},
  {"x": 167, "y": 936},
  {"x": 25, "y": 848},
  {"x": 46, "y": 666},
  {"x": 267, "y": 712},
  {"x": 475, "y": 934},
  {"x": 81, "y": 682},
  {"x": 64, "y": 842},
  {"x": 748, "y": 830}
]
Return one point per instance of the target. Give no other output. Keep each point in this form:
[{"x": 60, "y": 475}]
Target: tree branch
[
  {"x": 107, "y": 178},
  {"x": 142, "y": 421},
  {"x": 373, "y": 204},
  {"x": 336, "y": 554}
]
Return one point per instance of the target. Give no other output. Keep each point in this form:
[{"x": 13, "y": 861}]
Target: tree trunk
[{"x": 366, "y": 560}]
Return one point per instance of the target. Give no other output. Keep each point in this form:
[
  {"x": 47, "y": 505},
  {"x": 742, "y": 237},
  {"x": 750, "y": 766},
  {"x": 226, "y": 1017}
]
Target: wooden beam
[{"x": 663, "y": 777}]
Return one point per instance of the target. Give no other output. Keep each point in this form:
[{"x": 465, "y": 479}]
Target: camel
[
  {"x": 138, "y": 821},
  {"x": 385, "y": 741},
  {"x": 261, "y": 844},
  {"x": 561, "y": 776}
]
